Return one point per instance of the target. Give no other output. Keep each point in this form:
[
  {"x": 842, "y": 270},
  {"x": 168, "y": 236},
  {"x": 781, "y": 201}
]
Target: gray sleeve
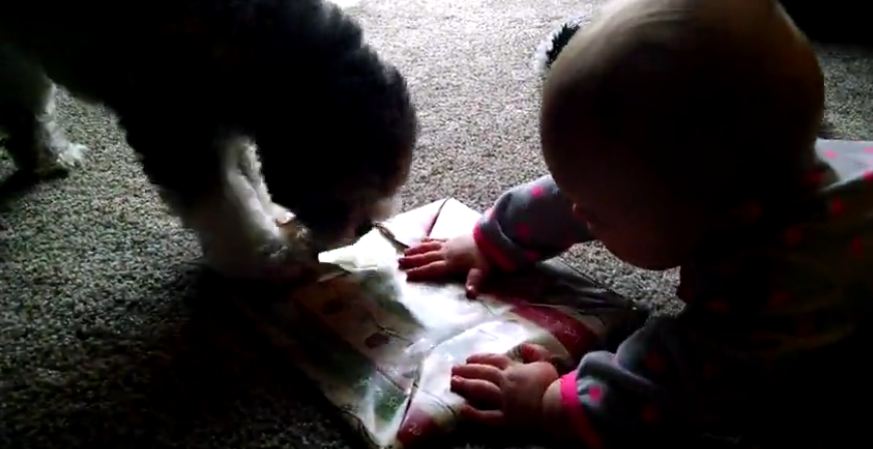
[
  {"x": 529, "y": 223},
  {"x": 621, "y": 398}
]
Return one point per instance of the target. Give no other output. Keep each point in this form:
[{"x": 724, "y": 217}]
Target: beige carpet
[{"x": 107, "y": 334}]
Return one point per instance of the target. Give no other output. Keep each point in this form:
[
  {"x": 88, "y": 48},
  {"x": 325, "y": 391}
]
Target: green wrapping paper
[{"x": 381, "y": 349}]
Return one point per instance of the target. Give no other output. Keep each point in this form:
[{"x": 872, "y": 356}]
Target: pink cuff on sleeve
[
  {"x": 576, "y": 412},
  {"x": 491, "y": 251}
]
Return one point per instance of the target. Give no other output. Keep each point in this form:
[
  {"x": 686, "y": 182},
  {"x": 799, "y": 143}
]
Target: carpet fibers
[{"x": 107, "y": 329}]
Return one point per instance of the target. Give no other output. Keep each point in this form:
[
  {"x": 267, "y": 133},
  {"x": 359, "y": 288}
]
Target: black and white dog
[{"x": 220, "y": 99}]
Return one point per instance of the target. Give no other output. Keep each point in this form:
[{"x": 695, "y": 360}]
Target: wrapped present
[{"x": 381, "y": 349}]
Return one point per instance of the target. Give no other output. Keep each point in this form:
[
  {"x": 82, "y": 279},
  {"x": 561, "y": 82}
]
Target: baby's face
[
  {"x": 628, "y": 208},
  {"x": 684, "y": 85}
]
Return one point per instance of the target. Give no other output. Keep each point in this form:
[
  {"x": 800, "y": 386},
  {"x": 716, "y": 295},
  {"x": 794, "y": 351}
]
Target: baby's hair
[{"x": 705, "y": 92}]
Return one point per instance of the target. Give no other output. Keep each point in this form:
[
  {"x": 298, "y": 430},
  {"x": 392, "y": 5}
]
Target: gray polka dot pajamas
[{"x": 763, "y": 312}]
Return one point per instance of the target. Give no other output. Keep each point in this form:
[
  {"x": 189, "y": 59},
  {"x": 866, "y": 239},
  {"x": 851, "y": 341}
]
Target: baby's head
[{"x": 663, "y": 116}]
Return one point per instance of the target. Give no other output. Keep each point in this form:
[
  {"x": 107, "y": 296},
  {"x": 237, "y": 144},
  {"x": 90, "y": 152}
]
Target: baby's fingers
[
  {"x": 431, "y": 271},
  {"x": 479, "y": 392},
  {"x": 496, "y": 360},
  {"x": 420, "y": 260},
  {"x": 425, "y": 246},
  {"x": 432, "y": 240},
  {"x": 479, "y": 371},
  {"x": 474, "y": 280},
  {"x": 492, "y": 418},
  {"x": 531, "y": 353}
]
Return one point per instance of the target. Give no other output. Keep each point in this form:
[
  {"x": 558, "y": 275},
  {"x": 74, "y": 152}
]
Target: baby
[{"x": 682, "y": 133}]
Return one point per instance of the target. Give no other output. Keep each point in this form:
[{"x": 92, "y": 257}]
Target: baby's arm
[
  {"x": 679, "y": 381},
  {"x": 529, "y": 223},
  {"x": 619, "y": 399},
  {"x": 623, "y": 399}
]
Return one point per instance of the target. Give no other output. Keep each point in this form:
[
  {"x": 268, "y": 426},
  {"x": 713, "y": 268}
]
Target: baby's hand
[
  {"x": 434, "y": 259},
  {"x": 503, "y": 392}
]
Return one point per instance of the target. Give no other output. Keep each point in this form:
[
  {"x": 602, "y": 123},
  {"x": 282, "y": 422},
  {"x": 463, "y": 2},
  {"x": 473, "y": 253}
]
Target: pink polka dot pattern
[
  {"x": 779, "y": 299},
  {"x": 595, "y": 394},
  {"x": 830, "y": 154},
  {"x": 718, "y": 306},
  {"x": 837, "y": 207},
  {"x": 532, "y": 256},
  {"x": 805, "y": 327},
  {"x": 649, "y": 414},
  {"x": 751, "y": 212},
  {"x": 814, "y": 178},
  {"x": 522, "y": 231},
  {"x": 728, "y": 268},
  {"x": 570, "y": 240},
  {"x": 793, "y": 236},
  {"x": 685, "y": 291},
  {"x": 537, "y": 191},
  {"x": 655, "y": 363},
  {"x": 868, "y": 150},
  {"x": 856, "y": 248},
  {"x": 709, "y": 370}
]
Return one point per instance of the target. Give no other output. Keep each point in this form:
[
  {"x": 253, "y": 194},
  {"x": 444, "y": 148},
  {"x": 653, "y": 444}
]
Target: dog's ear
[{"x": 334, "y": 124}]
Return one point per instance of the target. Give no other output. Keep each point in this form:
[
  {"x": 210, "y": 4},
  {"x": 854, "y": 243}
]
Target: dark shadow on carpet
[{"x": 163, "y": 388}]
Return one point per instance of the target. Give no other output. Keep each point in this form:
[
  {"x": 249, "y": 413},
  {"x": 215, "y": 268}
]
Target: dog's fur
[{"x": 205, "y": 91}]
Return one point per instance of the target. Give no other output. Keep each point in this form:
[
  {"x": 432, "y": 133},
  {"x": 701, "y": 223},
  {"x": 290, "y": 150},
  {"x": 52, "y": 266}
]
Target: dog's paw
[
  {"x": 290, "y": 259},
  {"x": 71, "y": 156},
  {"x": 282, "y": 217},
  {"x": 278, "y": 266},
  {"x": 60, "y": 161}
]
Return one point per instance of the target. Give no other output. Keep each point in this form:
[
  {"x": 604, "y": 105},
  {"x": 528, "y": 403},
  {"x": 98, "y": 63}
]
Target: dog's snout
[{"x": 363, "y": 228}]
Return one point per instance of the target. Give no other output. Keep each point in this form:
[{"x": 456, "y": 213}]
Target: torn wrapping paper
[{"x": 381, "y": 349}]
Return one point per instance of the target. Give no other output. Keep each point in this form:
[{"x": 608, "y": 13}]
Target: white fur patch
[
  {"x": 54, "y": 151},
  {"x": 246, "y": 158},
  {"x": 540, "y": 60},
  {"x": 238, "y": 227}
]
